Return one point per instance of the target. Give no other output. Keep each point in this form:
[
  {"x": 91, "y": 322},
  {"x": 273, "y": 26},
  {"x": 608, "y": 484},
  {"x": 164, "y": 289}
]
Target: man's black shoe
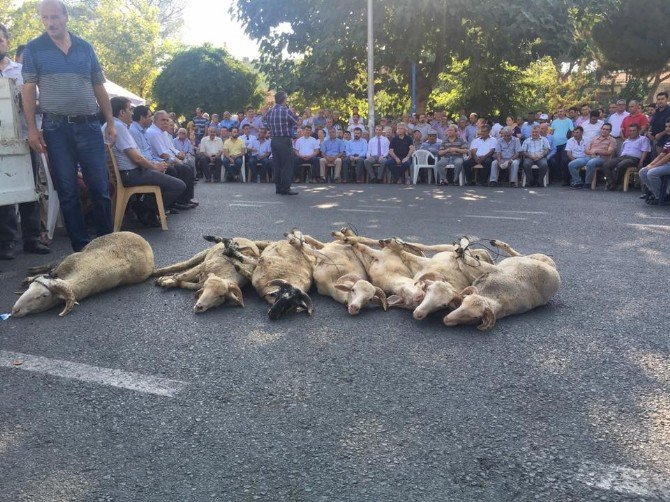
[
  {"x": 36, "y": 247},
  {"x": 172, "y": 210},
  {"x": 7, "y": 251},
  {"x": 194, "y": 203},
  {"x": 180, "y": 206}
]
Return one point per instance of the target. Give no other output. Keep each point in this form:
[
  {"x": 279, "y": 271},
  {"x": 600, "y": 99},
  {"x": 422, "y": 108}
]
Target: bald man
[{"x": 68, "y": 74}]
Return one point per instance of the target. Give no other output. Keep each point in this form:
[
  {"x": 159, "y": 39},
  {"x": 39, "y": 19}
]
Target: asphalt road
[{"x": 568, "y": 402}]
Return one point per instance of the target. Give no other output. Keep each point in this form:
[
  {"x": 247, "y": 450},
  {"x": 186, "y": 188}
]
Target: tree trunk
[{"x": 423, "y": 89}]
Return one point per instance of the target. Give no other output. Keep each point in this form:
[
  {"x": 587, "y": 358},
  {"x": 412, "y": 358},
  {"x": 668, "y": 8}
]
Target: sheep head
[
  {"x": 439, "y": 295},
  {"x": 360, "y": 293},
  {"x": 216, "y": 291},
  {"x": 43, "y": 293},
  {"x": 287, "y": 299},
  {"x": 473, "y": 309}
]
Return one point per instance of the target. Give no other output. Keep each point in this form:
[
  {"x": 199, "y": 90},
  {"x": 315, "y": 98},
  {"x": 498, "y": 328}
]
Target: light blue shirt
[
  {"x": 552, "y": 146},
  {"x": 333, "y": 147},
  {"x": 526, "y": 129},
  {"x": 264, "y": 149},
  {"x": 140, "y": 137},
  {"x": 561, "y": 127},
  {"x": 357, "y": 147}
]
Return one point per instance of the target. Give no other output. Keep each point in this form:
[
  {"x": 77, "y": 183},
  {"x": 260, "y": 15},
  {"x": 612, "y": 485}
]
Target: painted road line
[
  {"x": 493, "y": 217},
  {"x": 257, "y": 202},
  {"x": 234, "y": 204},
  {"x": 360, "y": 211},
  {"x": 376, "y": 206},
  {"x": 524, "y": 212},
  {"x": 92, "y": 374},
  {"x": 644, "y": 226},
  {"x": 624, "y": 480}
]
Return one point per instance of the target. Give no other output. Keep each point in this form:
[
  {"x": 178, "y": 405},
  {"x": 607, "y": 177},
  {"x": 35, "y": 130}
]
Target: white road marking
[
  {"x": 234, "y": 204},
  {"x": 493, "y": 217},
  {"x": 376, "y": 206},
  {"x": 648, "y": 227},
  {"x": 258, "y": 202},
  {"x": 524, "y": 212},
  {"x": 624, "y": 480},
  {"x": 360, "y": 211},
  {"x": 93, "y": 374}
]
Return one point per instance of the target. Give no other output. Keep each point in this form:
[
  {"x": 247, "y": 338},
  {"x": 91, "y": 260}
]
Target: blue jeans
[
  {"x": 651, "y": 176},
  {"x": 591, "y": 167},
  {"x": 574, "y": 167},
  {"x": 69, "y": 145}
]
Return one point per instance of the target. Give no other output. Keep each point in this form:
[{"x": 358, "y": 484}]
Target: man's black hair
[
  {"x": 118, "y": 103},
  {"x": 280, "y": 97},
  {"x": 140, "y": 111}
]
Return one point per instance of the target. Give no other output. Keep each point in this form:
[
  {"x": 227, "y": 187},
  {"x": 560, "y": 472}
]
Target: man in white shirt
[
  {"x": 378, "y": 149},
  {"x": 592, "y": 127},
  {"x": 209, "y": 155},
  {"x": 616, "y": 119},
  {"x": 575, "y": 148},
  {"x": 633, "y": 152},
  {"x": 306, "y": 151},
  {"x": 482, "y": 150}
]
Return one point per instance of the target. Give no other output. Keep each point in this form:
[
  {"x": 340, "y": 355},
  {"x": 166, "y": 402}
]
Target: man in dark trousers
[{"x": 280, "y": 121}]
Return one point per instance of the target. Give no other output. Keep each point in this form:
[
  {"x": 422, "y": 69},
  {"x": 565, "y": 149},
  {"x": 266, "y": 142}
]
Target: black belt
[
  {"x": 289, "y": 137},
  {"x": 73, "y": 119}
]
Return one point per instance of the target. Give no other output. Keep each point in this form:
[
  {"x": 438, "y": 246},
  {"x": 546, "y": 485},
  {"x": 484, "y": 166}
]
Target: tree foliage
[
  {"x": 327, "y": 44},
  {"x": 639, "y": 44},
  {"x": 208, "y": 77},
  {"x": 126, "y": 36}
]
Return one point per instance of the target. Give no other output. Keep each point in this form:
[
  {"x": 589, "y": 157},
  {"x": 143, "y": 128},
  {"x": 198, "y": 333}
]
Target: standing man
[
  {"x": 30, "y": 211},
  {"x": 562, "y": 126},
  {"x": 200, "y": 124},
  {"x": 616, "y": 119},
  {"x": 66, "y": 69},
  {"x": 281, "y": 122}
]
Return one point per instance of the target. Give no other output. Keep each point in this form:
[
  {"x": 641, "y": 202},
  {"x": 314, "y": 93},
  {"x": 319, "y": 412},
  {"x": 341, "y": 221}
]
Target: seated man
[
  {"x": 399, "y": 159},
  {"x": 378, "y": 149},
  {"x": 432, "y": 144},
  {"x": 262, "y": 168},
  {"x": 357, "y": 149},
  {"x": 535, "y": 150},
  {"x": 184, "y": 147},
  {"x": 251, "y": 144},
  {"x": 332, "y": 151},
  {"x": 576, "y": 150},
  {"x": 136, "y": 170},
  {"x": 209, "y": 156},
  {"x": 600, "y": 149},
  {"x": 306, "y": 151},
  {"x": 650, "y": 175},
  {"x": 633, "y": 152},
  {"x": 507, "y": 156},
  {"x": 234, "y": 150},
  {"x": 482, "y": 150},
  {"x": 451, "y": 153},
  {"x": 162, "y": 149}
]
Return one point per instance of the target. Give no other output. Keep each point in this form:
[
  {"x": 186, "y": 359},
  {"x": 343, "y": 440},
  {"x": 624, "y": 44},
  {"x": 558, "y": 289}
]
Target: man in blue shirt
[
  {"x": 562, "y": 127},
  {"x": 71, "y": 82},
  {"x": 332, "y": 150},
  {"x": 357, "y": 149}
]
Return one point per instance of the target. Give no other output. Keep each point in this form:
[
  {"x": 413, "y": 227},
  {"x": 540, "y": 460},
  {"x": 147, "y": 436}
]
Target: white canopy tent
[{"x": 116, "y": 90}]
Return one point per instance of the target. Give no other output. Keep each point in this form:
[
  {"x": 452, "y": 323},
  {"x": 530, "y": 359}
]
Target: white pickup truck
[{"x": 16, "y": 173}]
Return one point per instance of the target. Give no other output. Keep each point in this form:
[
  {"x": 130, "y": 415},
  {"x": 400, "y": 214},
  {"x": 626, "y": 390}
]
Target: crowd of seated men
[{"x": 569, "y": 146}]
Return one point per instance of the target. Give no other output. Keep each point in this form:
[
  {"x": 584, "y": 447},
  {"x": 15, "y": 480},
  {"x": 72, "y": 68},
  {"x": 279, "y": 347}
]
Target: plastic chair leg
[
  {"x": 161, "y": 209},
  {"x": 120, "y": 210}
]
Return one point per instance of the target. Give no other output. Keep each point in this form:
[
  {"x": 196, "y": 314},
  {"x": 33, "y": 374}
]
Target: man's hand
[
  {"x": 110, "y": 133},
  {"x": 161, "y": 167},
  {"x": 36, "y": 141}
]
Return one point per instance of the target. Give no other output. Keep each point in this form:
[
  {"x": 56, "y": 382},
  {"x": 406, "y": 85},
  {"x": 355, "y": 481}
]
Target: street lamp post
[{"x": 371, "y": 76}]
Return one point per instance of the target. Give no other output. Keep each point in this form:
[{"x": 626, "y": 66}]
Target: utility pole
[{"x": 371, "y": 73}]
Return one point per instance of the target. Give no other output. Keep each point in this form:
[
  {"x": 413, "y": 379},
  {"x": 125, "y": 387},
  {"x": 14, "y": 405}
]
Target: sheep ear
[
  {"x": 198, "y": 293},
  {"x": 394, "y": 300},
  {"x": 380, "y": 297},
  {"x": 488, "y": 320},
  {"x": 235, "y": 294},
  {"x": 470, "y": 290},
  {"x": 343, "y": 286}
]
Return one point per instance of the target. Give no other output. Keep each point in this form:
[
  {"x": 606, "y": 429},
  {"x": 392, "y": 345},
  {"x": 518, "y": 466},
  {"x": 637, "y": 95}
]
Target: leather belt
[{"x": 74, "y": 119}]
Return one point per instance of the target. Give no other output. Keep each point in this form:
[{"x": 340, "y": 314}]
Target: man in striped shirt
[{"x": 70, "y": 78}]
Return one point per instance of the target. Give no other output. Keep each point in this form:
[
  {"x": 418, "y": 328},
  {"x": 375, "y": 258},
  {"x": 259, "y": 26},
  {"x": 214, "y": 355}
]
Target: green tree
[
  {"x": 327, "y": 44},
  {"x": 209, "y": 77}
]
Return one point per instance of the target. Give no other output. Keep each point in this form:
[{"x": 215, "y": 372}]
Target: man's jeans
[
  {"x": 69, "y": 145},
  {"x": 651, "y": 176},
  {"x": 591, "y": 164}
]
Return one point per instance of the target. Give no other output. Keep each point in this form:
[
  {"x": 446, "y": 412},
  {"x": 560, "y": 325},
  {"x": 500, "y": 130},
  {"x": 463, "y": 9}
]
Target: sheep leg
[
  {"x": 503, "y": 246},
  {"x": 437, "y": 248},
  {"x": 313, "y": 242},
  {"x": 178, "y": 267}
]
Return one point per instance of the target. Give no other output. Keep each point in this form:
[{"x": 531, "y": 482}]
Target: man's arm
[
  {"x": 106, "y": 109},
  {"x": 136, "y": 158},
  {"x": 642, "y": 157},
  {"x": 29, "y": 101},
  {"x": 409, "y": 154}
]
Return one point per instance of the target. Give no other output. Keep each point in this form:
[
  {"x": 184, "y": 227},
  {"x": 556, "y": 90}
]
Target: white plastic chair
[
  {"x": 545, "y": 181},
  {"x": 53, "y": 208},
  {"x": 244, "y": 169},
  {"x": 420, "y": 161},
  {"x": 461, "y": 175}
]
